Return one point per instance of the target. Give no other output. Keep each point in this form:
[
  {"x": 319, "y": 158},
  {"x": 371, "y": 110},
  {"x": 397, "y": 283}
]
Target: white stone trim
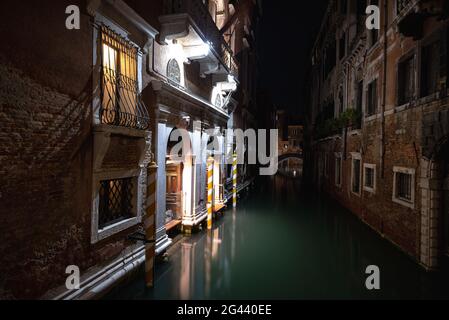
[
  {"x": 365, "y": 187},
  {"x": 139, "y": 183},
  {"x": 403, "y": 202},
  {"x": 95, "y": 283}
]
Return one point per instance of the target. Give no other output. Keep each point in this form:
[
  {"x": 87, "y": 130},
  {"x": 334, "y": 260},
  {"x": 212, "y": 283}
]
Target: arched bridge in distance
[{"x": 291, "y": 164}]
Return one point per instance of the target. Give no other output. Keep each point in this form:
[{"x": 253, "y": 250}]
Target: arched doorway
[{"x": 174, "y": 169}]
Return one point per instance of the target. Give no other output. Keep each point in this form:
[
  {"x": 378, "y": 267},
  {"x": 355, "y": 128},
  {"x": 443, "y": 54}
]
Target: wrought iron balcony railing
[
  {"x": 121, "y": 102},
  {"x": 402, "y": 5},
  {"x": 200, "y": 15}
]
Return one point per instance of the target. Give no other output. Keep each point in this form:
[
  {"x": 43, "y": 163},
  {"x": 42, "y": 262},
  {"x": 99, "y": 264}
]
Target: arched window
[
  {"x": 173, "y": 71},
  {"x": 218, "y": 101}
]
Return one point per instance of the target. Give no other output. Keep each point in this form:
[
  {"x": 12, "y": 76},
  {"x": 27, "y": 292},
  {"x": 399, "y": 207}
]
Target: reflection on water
[{"x": 285, "y": 243}]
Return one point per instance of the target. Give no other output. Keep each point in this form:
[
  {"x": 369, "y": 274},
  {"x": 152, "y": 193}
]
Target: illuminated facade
[{"x": 101, "y": 104}]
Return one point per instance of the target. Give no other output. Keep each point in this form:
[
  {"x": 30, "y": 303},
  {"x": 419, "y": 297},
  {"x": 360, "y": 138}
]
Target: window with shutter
[{"x": 406, "y": 78}]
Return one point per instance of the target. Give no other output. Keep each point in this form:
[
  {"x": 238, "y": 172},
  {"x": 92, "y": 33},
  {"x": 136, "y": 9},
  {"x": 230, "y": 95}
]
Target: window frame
[
  {"x": 409, "y": 171},
  {"x": 401, "y": 100},
  {"x": 339, "y": 170},
  {"x": 98, "y": 234},
  {"x": 373, "y": 98},
  {"x": 171, "y": 63},
  {"x": 428, "y": 42},
  {"x": 101, "y": 20},
  {"x": 356, "y": 157},
  {"x": 365, "y": 187}
]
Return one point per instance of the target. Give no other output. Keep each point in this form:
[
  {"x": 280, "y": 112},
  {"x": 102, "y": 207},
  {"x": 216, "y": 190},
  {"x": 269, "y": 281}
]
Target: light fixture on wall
[{"x": 197, "y": 51}]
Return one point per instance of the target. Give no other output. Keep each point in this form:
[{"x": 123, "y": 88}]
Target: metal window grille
[
  {"x": 115, "y": 201},
  {"x": 122, "y": 104},
  {"x": 404, "y": 186},
  {"x": 369, "y": 177},
  {"x": 402, "y": 5}
]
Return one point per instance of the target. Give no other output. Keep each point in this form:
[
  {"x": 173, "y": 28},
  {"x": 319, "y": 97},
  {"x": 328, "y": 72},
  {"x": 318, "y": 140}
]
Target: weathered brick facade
[{"x": 399, "y": 140}]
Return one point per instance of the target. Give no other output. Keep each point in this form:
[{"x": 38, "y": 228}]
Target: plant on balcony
[
  {"x": 327, "y": 127},
  {"x": 349, "y": 118}
]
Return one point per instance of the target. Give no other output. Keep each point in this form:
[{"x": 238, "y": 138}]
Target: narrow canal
[{"x": 286, "y": 243}]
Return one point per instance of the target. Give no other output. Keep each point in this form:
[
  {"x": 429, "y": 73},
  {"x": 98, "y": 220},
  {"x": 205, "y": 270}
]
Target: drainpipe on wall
[{"x": 384, "y": 92}]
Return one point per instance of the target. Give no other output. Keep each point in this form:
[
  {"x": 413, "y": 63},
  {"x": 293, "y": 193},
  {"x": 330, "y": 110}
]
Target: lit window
[{"x": 121, "y": 104}]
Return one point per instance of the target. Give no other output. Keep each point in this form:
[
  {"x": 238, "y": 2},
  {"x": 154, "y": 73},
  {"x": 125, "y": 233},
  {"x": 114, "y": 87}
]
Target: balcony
[
  {"x": 403, "y": 5},
  {"x": 411, "y": 15},
  {"x": 122, "y": 104},
  {"x": 190, "y": 23}
]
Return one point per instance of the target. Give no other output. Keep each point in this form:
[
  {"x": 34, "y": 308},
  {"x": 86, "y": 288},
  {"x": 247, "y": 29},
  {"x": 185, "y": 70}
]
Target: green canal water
[{"x": 283, "y": 242}]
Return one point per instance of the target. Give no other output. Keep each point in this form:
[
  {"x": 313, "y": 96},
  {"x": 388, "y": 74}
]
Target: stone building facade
[
  {"x": 377, "y": 120},
  {"x": 83, "y": 112}
]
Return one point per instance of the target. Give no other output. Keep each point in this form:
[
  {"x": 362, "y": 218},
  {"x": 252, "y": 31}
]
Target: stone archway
[
  {"x": 430, "y": 183},
  {"x": 434, "y": 233},
  {"x": 434, "y": 183}
]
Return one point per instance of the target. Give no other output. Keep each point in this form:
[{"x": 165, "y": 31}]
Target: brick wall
[
  {"x": 414, "y": 136},
  {"x": 46, "y": 150}
]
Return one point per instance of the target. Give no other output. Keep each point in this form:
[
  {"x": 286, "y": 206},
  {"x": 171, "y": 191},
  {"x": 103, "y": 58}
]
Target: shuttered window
[{"x": 406, "y": 78}]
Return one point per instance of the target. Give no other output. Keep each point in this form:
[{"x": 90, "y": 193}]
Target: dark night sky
[{"x": 288, "y": 29}]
